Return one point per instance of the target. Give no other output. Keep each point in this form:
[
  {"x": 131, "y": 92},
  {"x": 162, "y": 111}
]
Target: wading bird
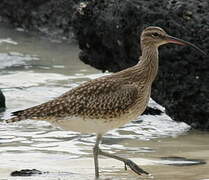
[{"x": 109, "y": 102}]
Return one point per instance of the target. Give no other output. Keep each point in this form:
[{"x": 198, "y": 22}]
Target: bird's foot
[{"x": 134, "y": 167}]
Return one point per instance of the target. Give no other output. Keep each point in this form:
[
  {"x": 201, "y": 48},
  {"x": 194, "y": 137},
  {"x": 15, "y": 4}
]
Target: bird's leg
[
  {"x": 134, "y": 167},
  {"x": 95, "y": 152}
]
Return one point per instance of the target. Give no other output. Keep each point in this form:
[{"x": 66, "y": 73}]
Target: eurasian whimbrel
[{"x": 109, "y": 102}]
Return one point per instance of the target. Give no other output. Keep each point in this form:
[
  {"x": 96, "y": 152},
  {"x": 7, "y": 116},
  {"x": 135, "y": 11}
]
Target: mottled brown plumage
[
  {"x": 101, "y": 98},
  {"x": 108, "y": 102}
]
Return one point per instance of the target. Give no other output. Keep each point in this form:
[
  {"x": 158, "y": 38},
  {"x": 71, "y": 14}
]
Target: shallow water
[{"x": 34, "y": 69}]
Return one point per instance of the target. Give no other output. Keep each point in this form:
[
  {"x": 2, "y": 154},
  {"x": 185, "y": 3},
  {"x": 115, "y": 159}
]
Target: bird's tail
[
  {"x": 17, "y": 116},
  {"x": 14, "y": 119}
]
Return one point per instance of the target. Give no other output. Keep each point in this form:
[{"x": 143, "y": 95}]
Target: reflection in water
[{"x": 34, "y": 70}]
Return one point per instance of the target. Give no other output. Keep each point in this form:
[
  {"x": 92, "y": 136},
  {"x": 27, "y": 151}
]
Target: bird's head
[{"x": 156, "y": 36}]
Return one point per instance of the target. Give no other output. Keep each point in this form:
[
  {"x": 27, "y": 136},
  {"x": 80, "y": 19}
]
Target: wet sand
[{"x": 192, "y": 146}]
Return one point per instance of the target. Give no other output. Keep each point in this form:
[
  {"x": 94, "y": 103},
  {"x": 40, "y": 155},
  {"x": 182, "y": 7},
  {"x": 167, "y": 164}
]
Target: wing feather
[{"x": 101, "y": 98}]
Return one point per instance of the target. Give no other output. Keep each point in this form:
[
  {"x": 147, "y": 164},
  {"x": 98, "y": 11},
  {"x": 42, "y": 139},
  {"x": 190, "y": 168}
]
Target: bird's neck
[
  {"x": 144, "y": 72},
  {"x": 148, "y": 62}
]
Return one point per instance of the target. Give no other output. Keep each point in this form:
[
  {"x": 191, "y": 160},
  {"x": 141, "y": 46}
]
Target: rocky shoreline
[{"x": 108, "y": 36}]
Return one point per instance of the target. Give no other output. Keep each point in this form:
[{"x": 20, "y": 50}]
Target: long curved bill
[{"x": 171, "y": 39}]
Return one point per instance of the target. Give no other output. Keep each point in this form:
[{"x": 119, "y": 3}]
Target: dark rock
[
  {"x": 152, "y": 111},
  {"x": 26, "y": 172},
  {"x": 2, "y": 102},
  {"x": 48, "y": 16},
  {"x": 108, "y": 34}
]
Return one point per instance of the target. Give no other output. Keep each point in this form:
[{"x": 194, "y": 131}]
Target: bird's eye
[{"x": 155, "y": 35}]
